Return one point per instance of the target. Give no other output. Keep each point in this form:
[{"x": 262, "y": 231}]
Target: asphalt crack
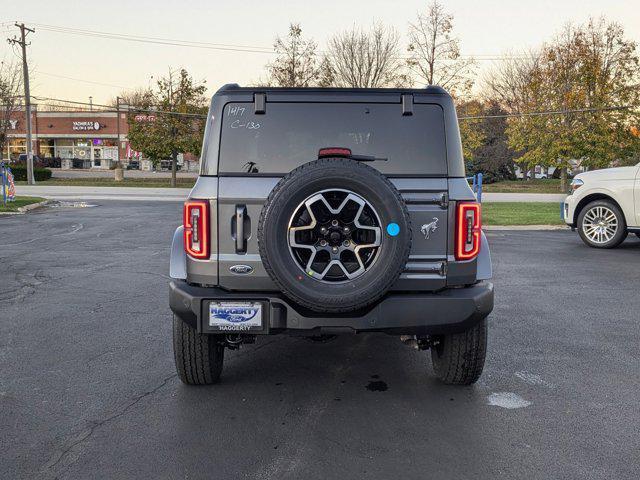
[
  {"x": 74, "y": 229},
  {"x": 26, "y": 286},
  {"x": 88, "y": 432}
]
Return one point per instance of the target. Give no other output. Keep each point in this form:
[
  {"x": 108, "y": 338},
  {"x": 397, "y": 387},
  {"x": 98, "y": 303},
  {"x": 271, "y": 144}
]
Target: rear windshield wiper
[{"x": 368, "y": 158}]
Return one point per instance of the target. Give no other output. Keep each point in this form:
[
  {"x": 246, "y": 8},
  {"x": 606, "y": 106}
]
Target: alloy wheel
[
  {"x": 600, "y": 224},
  {"x": 334, "y": 235}
]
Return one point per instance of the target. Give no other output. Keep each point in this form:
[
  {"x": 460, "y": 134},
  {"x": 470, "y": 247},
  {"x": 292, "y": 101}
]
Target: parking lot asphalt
[{"x": 88, "y": 387}]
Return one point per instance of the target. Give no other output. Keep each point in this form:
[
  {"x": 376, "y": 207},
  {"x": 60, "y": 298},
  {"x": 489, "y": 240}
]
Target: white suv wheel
[{"x": 601, "y": 224}]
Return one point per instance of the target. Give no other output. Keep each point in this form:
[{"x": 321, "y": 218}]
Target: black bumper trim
[{"x": 448, "y": 311}]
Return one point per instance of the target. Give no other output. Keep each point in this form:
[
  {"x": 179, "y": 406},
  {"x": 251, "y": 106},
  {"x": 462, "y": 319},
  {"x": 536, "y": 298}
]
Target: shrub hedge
[{"x": 20, "y": 173}]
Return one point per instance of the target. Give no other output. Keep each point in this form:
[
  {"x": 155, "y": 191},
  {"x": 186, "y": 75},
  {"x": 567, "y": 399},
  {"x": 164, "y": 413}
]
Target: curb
[
  {"x": 27, "y": 208},
  {"x": 525, "y": 227}
]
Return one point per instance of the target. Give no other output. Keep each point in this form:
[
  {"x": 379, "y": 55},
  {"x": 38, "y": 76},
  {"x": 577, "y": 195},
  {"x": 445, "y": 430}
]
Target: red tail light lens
[
  {"x": 468, "y": 228},
  {"x": 196, "y": 228}
]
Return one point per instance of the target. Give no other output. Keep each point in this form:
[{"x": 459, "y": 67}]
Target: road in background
[
  {"x": 161, "y": 194},
  {"x": 88, "y": 386}
]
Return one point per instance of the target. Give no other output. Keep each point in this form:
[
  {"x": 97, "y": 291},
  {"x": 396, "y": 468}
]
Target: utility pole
[
  {"x": 24, "y": 31},
  {"x": 118, "y": 172}
]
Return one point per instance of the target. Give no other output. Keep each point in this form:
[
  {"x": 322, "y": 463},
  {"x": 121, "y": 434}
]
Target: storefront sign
[
  {"x": 10, "y": 124},
  {"x": 145, "y": 118},
  {"x": 86, "y": 125}
]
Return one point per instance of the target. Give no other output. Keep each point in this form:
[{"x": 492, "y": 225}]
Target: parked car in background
[
  {"x": 166, "y": 165},
  {"x": 44, "y": 162},
  {"x": 604, "y": 205},
  {"x": 22, "y": 158}
]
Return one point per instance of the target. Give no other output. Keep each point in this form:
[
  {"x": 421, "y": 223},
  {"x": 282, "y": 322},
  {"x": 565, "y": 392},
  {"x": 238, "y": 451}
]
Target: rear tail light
[
  {"x": 196, "y": 228},
  {"x": 468, "y": 228}
]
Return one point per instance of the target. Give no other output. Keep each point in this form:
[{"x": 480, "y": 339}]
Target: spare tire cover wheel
[{"x": 334, "y": 235}]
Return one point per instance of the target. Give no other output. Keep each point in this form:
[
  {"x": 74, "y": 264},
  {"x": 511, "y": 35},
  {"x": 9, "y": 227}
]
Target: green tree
[
  {"x": 492, "y": 155},
  {"x": 470, "y": 132},
  {"x": 592, "y": 67},
  {"x": 176, "y": 123}
]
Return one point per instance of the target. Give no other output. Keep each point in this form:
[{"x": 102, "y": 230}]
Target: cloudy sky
[{"x": 73, "y": 67}]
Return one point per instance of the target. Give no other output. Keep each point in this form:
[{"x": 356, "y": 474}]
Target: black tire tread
[
  {"x": 460, "y": 358},
  {"x": 198, "y": 357},
  {"x": 327, "y": 164}
]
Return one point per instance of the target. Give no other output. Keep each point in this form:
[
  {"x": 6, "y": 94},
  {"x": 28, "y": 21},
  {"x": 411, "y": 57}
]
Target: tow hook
[
  {"x": 233, "y": 341},
  {"x": 419, "y": 343}
]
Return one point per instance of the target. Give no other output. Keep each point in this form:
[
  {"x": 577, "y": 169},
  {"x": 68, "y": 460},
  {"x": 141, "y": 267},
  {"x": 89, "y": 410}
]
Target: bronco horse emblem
[{"x": 428, "y": 228}]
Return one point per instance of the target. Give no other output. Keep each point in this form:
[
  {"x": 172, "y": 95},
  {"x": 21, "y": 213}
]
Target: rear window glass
[{"x": 291, "y": 134}]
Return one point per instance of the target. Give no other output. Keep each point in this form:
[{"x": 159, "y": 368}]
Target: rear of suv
[{"x": 328, "y": 211}]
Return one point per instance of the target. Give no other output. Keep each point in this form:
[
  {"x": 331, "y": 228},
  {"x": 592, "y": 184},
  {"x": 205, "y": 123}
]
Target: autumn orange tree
[{"x": 578, "y": 98}]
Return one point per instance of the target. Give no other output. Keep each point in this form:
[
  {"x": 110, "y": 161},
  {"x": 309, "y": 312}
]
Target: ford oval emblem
[{"x": 241, "y": 269}]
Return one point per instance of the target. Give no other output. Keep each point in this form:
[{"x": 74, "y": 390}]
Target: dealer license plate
[{"x": 235, "y": 316}]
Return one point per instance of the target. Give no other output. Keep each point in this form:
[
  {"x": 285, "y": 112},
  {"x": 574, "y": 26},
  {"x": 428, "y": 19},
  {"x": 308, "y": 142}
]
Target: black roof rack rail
[
  {"x": 407, "y": 104},
  {"x": 259, "y": 102},
  {"x": 428, "y": 90}
]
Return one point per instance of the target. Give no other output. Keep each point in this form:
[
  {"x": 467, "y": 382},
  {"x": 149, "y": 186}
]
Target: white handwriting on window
[
  {"x": 247, "y": 125},
  {"x": 236, "y": 111}
]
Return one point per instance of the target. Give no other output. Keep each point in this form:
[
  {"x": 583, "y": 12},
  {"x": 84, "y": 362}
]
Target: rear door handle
[{"x": 241, "y": 211}]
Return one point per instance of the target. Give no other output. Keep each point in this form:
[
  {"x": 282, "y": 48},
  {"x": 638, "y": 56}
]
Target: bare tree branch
[
  {"x": 295, "y": 65},
  {"x": 11, "y": 99},
  {"x": 434, "y": 53},
  {"x": 361, "y": 59}
]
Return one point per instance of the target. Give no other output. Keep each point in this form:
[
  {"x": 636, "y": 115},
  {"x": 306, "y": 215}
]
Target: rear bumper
[{"x": 414, "y": 313}]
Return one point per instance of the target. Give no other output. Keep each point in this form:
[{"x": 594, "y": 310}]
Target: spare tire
[{"x": 334, "y": 235}]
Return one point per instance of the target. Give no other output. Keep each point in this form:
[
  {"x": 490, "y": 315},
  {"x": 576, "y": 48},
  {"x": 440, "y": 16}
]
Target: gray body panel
[
  {"x": 248, "y": 193},
  {"x": 431, "y": 264},
  {"x": 178, "y": 262},
  {"x": 236, "y": 203}
]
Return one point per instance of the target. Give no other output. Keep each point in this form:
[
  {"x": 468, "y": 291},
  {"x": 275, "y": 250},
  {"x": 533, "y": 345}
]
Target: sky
[{"x": 102, "y": 68}]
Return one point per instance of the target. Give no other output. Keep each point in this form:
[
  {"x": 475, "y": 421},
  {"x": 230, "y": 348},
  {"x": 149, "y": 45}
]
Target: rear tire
[
  {"x": 458, "y": 358},
  {"x": 199, "y": 358}
]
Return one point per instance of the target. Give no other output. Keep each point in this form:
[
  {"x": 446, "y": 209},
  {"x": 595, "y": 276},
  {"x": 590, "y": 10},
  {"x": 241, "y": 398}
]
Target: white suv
[{"x": 604, "y": 205}]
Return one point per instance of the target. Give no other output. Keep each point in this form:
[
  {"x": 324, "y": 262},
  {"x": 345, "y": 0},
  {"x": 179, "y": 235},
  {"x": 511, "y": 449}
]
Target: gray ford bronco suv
[{"x": 327, "y": 211}]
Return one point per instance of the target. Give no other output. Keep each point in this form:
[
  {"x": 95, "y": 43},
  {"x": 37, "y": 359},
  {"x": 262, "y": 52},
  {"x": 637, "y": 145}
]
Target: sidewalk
[
  {"x": 524, "y": 197},
  {"x": 95, "y": 173},
  {"x": 104, "y": 193}
]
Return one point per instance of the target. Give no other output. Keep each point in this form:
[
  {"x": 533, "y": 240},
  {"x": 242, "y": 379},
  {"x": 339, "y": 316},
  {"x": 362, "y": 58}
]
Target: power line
[
  {"x": 82, "y": 80},
  {"x": 470, "y": 117},
  {"x": 127, "y": 36},
  {"x": 551, "y": 112},
  {"x": 131, "y": 107},
  {"x": 156, "y": 40},
  {"x": 214, "y": 46}
]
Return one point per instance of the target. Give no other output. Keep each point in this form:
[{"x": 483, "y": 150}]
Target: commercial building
[
  {"x": 89, "y": 140},
  {"x": 76, "y": 139}
]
